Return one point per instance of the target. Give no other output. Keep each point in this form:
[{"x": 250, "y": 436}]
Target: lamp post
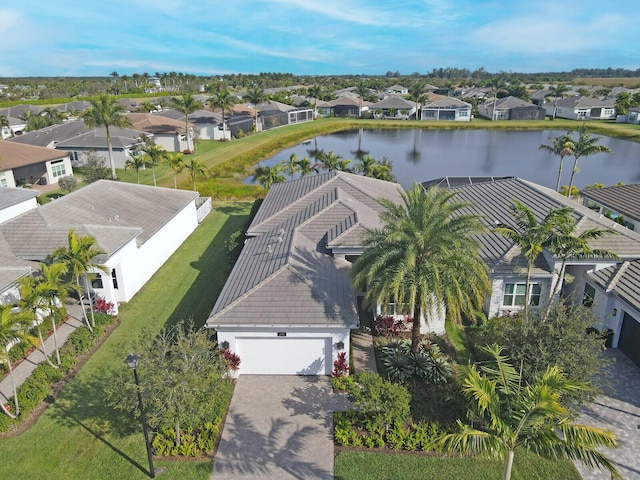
[{"x": 132, "y": 362}]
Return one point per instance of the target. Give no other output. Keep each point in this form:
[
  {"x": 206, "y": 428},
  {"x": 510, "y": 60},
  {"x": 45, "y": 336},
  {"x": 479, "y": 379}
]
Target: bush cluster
[
  {"x": 194, "y": 442},
  {"x": 40, "y": 384}
]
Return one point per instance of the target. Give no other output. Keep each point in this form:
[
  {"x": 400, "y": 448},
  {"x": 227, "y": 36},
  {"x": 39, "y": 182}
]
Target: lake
[{"x": 420, "y": 155}]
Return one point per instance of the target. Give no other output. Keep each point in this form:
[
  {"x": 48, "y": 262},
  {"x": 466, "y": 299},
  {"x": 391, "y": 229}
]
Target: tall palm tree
[
  {"x": 531, "y": 235},
  {"x": 362, "y": 90},
  {"x": 585, "y": 146},
  {"x": 304, "y": 167},
  {"x": 79, "y": 257},
  {"x": 557, "y": 91},
  {"x": 267, "y": 176},
  {"x": 416, "y": 93},
  {"x": 424, "y": 255},
  {"x": 154, "y": 156},
  {"x": 33, "y": 301},
  {"x": 560, "y": 147},
  {"x": 137, "y": 162},
  {"x": 106, "y": 112},
  {"x": 255, "y": 95},
  {"x": 175, "y": 162},
  {"x": 366, "y": 166},
  {"x": 13, "y": 330},
  {"x": 291, "y": 165},
  {"x": 225, "y": 101},
  {"x": 315, "y": 92},
  {"x": 517, "y": 414},
  {"x": 330, "y": 161},
  {"x": 496, "y": 84},
  {"x": 55, "y": 290},
  {"x": 187, "y": 105},
  {"x": 196, "y": 169}
]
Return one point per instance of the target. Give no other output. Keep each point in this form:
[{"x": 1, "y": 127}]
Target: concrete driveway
[
  {"x": 279, "y": 427},
  {"x": 619, "y": 410}
]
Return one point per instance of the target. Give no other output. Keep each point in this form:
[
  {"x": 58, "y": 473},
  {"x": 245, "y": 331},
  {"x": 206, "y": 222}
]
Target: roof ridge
[{"x": 622, "y": 268}]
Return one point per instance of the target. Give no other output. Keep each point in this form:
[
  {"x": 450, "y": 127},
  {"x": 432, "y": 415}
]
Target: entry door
[{"x": 629, "y": 341}]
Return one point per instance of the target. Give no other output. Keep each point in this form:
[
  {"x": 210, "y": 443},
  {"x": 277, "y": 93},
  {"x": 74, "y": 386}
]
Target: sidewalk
[
  {"x": 364, "y": 358},
  {"x": 24, "y": 369}
]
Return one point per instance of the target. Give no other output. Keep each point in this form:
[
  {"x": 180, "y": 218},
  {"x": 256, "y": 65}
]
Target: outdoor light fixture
[
  {"x": 132, "y": 362},
  {"x": 225, "y": 345},
  {"x": 340, "y": 345},
  {"x": 614, "y": 312}
]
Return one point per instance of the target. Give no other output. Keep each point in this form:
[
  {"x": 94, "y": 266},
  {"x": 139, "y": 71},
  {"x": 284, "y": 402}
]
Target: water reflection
[{"x": 420, "y": 155}]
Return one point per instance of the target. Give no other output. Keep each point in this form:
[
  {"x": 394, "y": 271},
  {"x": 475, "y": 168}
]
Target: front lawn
[
  {"x": 77, "y": 437},
  {"x": 383, "y": 466}
]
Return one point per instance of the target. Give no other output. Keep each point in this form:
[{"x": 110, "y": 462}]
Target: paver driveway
[
  {"x": 278, "y": 427},
  {"x": 619, "y": 410}
]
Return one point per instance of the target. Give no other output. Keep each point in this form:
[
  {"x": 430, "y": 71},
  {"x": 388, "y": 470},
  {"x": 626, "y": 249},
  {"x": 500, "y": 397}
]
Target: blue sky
[{"x": 306, "y": 37}]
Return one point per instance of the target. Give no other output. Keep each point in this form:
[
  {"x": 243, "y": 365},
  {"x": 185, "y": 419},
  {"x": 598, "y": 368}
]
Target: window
[
  {"x": 3, "y": 181},
  {"x": 589, "y": 295},
  {"x": 96, "y": 280},
  {"x": 114, "y": 278},
  {"x": 57, "y": 168},
  {"x": 514, "y": 294},
  {"x": 393, "y": 308},
  {"x": 463, "y": 113}
]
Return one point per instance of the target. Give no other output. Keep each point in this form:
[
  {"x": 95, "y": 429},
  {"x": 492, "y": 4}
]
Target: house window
[
  {"x": 393, "y": 308},
  {"x": 463, "y": 113},
  {"x": 514, "y": 294},
  {"x": 57, "y": 168},
  {"x": 589, "y": 295},
  {"x": 96, "y": 280},
  {"x": 114, "y": 278},
  {"x": 3, "y": 181}
]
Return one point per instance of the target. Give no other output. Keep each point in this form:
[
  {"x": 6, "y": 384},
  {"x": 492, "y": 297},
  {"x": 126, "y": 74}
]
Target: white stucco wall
[
  {"x": 7, "y": 175},
  {"x": 66, "y": 161},
  {"x": 17, "y": 209},
  {"x": 495, "y": 306}
]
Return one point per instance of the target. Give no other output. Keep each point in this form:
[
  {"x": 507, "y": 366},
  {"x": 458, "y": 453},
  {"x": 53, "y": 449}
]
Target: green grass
[
  {"x": 384, "y": 466},
  {"x": 77, "y": 437}
]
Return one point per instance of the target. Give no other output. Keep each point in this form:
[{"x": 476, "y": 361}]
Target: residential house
[
  {"x": 633, "y": 115},
  {"x": 620, "y": 203},
  {"x": 25, "y": 165},
  {"x": 137, "y": 226},
  {"x": 583, "y": 108},
  {"x": 345, "y": 106},
  {"x": 288, "y": 305},
  {"x": 207, "y": 125},
  {"x": 397, "y": 90},
  {"x": 394, "y": 107},
  {"x": 447, "y": 108},
  {"x": 511, "y": 108},
  {"x": 275, "y": 114},
  {"x": 168, "y": 133},
  {"x": 15, "y": 115},
  {"x": 77, "y": 139}
]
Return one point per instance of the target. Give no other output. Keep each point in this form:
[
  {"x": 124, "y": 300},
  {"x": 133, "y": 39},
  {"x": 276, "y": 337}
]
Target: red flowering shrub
[
  {"x": 340, "y": 366},
  {"x": 390, "y": 326},
  {"x": 233, "y": 360},
  {"x": 102, "y": 306}
]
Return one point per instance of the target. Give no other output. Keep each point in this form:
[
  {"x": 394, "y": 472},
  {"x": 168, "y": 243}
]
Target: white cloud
[{"x": 349, "y": 11}]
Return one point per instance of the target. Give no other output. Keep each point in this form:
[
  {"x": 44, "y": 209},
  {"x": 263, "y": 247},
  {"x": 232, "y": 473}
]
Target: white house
[
  {"x": 168, "y": 133},
  {"x": 137, "y": 226},
  {"x": 447, "y": 108},
  {"x": 583, "y": 108},
  {"x": 28, "y": 165}
]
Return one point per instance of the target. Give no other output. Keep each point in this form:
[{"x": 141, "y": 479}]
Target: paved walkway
[
  {"x": 619, "y": 410},
  {"x": 364, "y": 358},
  {"x": 278, "y": 428},
  {"x": 24, "y": 369}
]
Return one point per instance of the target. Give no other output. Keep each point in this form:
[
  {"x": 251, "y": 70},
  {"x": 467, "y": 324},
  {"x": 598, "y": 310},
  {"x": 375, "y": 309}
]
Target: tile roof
[
  {"x": 622, "y": 279},
  {"x": 491, "y": 200},
  {"x": 112, "y": 212},
  {"x": 285, "y": 274},
  {"x": 447, "y": 102},
  {"x": 156, "y": 124},
  {"x": 393, "y": 101},
  {"x": 13, "y": 196},
  {"x": 16, "y": 155},
  {"x": 507, "y": 103},
  {"x": 585, "y": 102},
  {"x": 624, "y": 199}
]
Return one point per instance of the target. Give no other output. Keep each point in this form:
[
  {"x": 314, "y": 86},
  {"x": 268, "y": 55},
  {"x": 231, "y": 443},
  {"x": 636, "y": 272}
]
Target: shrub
[
  {"x": 232, "y": 360},
  {"x": 390, "y": 326},
  {"x": 68, "y": 183},
  {"x": 102, "y": 306},
  {"x": 341, "y": 384},
  {"x": 401, "y": 364},
  {"x": 340, "y": 366}
]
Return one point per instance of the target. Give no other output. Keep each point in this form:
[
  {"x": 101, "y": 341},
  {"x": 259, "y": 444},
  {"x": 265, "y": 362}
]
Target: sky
[{"x": 314, "y": 37}]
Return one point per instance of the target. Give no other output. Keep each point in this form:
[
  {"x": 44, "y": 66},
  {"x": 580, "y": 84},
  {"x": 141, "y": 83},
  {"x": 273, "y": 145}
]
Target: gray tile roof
[
  {"x": 13, "y": 196},
  {"x": 394, "y": 101},
  {"x": 19, "y": 110},
  {"x": 586, "y": 102},
  {"x": 492, "y": 200},
  {"x": 447, "y": 102},
  {"x": 624, "y": 199},
  {"x": 622, "y": 279},
  {"x": 112, "y": 212},
  {"x": 507, "y": 103},
  {"x": 285, "y": 274}
]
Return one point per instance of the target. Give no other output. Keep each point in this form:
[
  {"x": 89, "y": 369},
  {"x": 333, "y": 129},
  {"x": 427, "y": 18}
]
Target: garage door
[
  {"x": 629, "y": 341},
  {"x": 284, "y": 356}
]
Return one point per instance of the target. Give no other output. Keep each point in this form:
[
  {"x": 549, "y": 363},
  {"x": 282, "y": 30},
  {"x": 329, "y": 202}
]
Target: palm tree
[
  {"x": 291, "y": 165},
  {"x": 424, "y": 256},
  {"x": 154, "y": 156},
  {"x": 585, "y": 146},
  {"x": 79, "y": 258},
  {"x": 315, "y": 92},
  {"x": 366, "y": 166},
  {"x": 530, "y": 416},
  {"x": 187, "y": 105},
  {"x": 329, "y": 161},
  {"x": 496, "y": 84},
  {"x": 267, "y": 176},
  {"x": 416, "y": 93},
  {"x": 557, "y": 91},
  {"x": 137, "y": 162},
  {"x": 106, "y": 112},
  {"x": 175, "y": 162},
  {"x": 33, "y": 301},
  {"x": 55, "y": 290},
  {"x": 304, "y": 167},
  {"x": 13, "y": 330},
  {"x": 531, "y": 235},
  {"x": 255, "y": 95},
  {"x": 362, "y": 90},
  {"x": 224, "y": 100},
  {"x": 4, "y": 124},
  {"x": 561, "y": 147},
  {"x": 196, "y": 169}
]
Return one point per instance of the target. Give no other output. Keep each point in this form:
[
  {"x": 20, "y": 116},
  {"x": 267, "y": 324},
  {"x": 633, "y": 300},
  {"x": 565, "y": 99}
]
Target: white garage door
[{"x": 284, "y": 356}]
